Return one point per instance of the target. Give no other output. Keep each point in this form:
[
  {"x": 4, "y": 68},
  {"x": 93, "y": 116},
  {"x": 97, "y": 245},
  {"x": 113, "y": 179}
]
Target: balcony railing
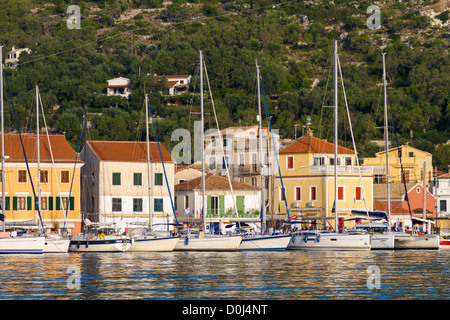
[{"x": 341, "y": 169}]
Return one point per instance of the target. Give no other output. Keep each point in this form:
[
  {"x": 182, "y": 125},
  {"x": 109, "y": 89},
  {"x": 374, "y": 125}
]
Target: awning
[{"x": 372, "y": 214}]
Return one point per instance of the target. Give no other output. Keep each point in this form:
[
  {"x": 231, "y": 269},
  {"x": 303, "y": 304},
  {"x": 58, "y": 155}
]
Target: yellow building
[
  {"x": 59, "y": 184},
  {"x": 413, "y": 163},
  {"x": 307, "y": 169}
]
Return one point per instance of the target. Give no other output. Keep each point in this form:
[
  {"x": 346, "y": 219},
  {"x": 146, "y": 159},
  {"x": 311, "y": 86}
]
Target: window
[
  {"x": 116, "y": 204},
  {"x": 332, "y": 161},
  {"x": 22, "y": 176},
  {"x": 225, "y": 162},
  {"x": 44, "y": 203},
  {"x": 282, "y": 194},
  {"x": 443, "y": 205},
  {"x": 298, "y": 193},
  {"x": 290, "y": 162},
  {"x": 254, "y": 181},
  {"x": 313, "y": 193},
  {"x": 137, "y": 205},
  {"x": 215, "y": 205},
  {"x": 225, "y": 142},
  {"x": 241, "y": 160},
  {"x": 341, "y": 193},
  {"x": 116, "y": 178},
  {"x": 65, "y": 201},
  {"x": 186, "y": 202},
  {"x": 158, "y": 179},
  {"x": 411, "y": 154},
  {"x": 358, "y": 193},
  {"x": 158, "y": 205},
  {"x": 348, "y": 161},
  {"x": 319, "y": 161},
  {"x": 212, "y": 163},
  {"x": 44, "y": 176},
  {"x": 378, "y": 178},
  {"x": 65, "y": 176},
  {"x": 137, "y": 179},
  {"x": 21, "y": 203}
]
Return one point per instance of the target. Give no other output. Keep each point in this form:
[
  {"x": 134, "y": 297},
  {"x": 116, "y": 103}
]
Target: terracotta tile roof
[
  {"x": 213, "y": 182},
  {"x": 129, "y": 151},
  {"x": 61, "y": 149},
  {"x": 314, "y": 145},
  {"x": 175, "y": 76}
]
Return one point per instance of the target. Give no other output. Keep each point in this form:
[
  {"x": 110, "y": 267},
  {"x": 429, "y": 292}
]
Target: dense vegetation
[{"x": 291, "y": 40}]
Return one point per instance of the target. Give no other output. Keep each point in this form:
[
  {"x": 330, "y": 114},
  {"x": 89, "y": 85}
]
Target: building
[
  {"x": 307, "y": 170},
  {"x": 442, "y": 194},
  {"x": 117, "y": 182},
  {"x": 240, "y": 153},
  {"x": 220, "y": 200},
  {"x": 187, "y": 172},
  {"x": 412, "y": 160},
  {"x": 12, "y": 59},
  {"x": 59, "y": 183},
  {"x": 119, "y": 87},
  {"x": 176, "y": 84},
  {"x": 441, "y": 190},
  {"x": 399, "y": 208}
]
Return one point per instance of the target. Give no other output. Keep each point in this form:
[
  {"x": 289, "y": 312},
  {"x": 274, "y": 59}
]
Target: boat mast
[
  {"x": 386, "y": 141},
  {"x": 202, "y": 134},
  {"x": 150, "y": 216},
  {"x": 263, "y": 202},
  {"x": 38, "y": 150},
  {"x": 335, "y": 137},
  {"x": 3, "y": 138}
]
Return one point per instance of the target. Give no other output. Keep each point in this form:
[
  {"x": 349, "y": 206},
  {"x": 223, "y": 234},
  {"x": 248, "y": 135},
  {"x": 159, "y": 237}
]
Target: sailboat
[
  {"x": 263, "y": 241},
  {"x": 54, "y": 243},
  {"x": 202, "y": 241},
  {"x": 11, "y": 242},
  {"x": 146, "y": 239},
  {"x": 99, "y": 237},
  {"x": 382, "y": 236},
  {"x": 324, "y": 239}
]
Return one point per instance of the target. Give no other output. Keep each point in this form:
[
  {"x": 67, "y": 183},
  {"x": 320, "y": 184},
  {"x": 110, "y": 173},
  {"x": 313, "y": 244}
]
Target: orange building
[{"x": 59, "y": 181}]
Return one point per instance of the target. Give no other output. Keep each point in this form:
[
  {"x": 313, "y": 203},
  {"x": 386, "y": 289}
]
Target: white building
[
  {"x": 12, "y": 59},
  {"x": 117, "y": 182},
  {"x": 119, "y": 87},
  {"x": 442, "y": 195},
  {"x": 176, "y": 84}
]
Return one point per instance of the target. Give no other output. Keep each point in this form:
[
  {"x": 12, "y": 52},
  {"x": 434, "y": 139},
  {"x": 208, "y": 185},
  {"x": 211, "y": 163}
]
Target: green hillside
[{"x": 291, "y": 40}]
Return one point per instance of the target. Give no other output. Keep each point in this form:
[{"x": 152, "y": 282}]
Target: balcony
[
  {"x": 248, "y": 169},
  {"x": 341, "y": 169}
]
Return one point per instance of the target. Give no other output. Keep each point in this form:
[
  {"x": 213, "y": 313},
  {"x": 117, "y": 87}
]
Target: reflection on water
[{"x": 290, "y": 275}]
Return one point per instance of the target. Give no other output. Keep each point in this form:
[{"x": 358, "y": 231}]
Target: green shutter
[
  {"x": 29, "y": 206},
  {"x": 158, "y": 205},
  {"x": 14, "y": 203},
  {"x": 208, "y": 206},
  {"x": 158, "y": 179},
  {"x": 137, "y": 179},
  {"x": 50, "y": 203},
  {"x": 7, "y": 203},
  {"x": 72, "y": 203},
  {"x": 222, "y": 205},
  {"x": 116, "y": 178},
  {"x": 240, "y": 204},
  {"x": 58, "y": 203}
]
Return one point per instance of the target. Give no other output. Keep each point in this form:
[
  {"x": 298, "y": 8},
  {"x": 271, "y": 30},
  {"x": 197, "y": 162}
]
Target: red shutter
[
  {"x": 358, "y": 193},
  {"x": 340, "y": 193}
]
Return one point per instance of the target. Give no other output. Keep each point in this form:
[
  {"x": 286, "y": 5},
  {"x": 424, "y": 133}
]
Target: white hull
[
  {"x": 407, "y": 241},
  {"x": 265, "y": 242},
  {"x": 208, "y": 243},
  {"x": 330, "y": 241},
  {"x": 56, "y": 245},
  {"x": 22, "y": 245},
  {"x": 384, "y": 241},
  {"x": 109, "y": 244},
  {"x": 146, "y": 244}
]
